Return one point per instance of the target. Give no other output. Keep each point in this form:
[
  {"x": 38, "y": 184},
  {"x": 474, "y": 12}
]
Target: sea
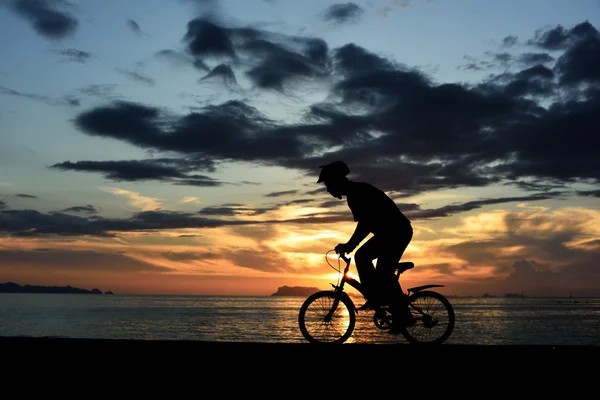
[{"x": 274, "y": 319}]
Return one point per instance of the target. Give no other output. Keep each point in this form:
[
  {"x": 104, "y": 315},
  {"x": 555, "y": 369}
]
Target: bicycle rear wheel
[
  {"x": 435, "y": 319},
  {"x": 319, "y": 325}
]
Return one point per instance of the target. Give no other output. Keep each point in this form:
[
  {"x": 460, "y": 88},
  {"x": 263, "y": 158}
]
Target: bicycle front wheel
[
  {"x": 324, "y": 319},
  {"x": 435, "y": 318}
]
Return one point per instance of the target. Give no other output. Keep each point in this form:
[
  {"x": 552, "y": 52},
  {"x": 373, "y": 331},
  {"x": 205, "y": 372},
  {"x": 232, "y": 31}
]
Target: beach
[
  {"x": 177, "y": 368},
  {"x": 115, "y": 348}
]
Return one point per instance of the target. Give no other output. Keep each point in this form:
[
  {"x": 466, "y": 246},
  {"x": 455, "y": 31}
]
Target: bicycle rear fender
[{"x": 419, "y": 288}]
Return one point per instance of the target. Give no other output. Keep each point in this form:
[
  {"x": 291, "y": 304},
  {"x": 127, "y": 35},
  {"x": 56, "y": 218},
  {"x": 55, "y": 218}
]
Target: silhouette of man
[{"x": 377, "y": 214}]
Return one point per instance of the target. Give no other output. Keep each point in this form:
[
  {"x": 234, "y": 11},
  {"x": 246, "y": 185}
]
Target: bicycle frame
[{"x": 339, "y": 290}]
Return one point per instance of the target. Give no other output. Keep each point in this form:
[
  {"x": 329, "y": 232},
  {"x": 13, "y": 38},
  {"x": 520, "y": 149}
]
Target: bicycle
[{"x": 329, "y": 316}]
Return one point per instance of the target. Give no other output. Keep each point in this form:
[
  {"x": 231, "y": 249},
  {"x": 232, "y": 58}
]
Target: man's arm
[{"x": 360, "y": 232}]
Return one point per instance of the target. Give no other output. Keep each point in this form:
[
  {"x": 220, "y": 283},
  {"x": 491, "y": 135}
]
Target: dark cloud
[
  {"x": 559, "y": 38},
  {"x": 232, "y": 130},
  {"x": 48, "y": 17},
  {"x": 274, "y": 59},
  {"x": 74, "y": 55},
  {"x": 181, "y": 59},
  {"x": 472, "y": 205},
  {"x": 90, "y": 209},
  {"x": 103, "y": 91},
  {"x": 136, "y": 76},
  {"x": 207, "y": 39},
  {"x": 581, "y": 62},
  {"x": 185, "y": 256},
  {"x": 135, "y": 27},
  {"x": 66, "y": 101},
  {"x": 284, "y": 193},
  {"x": 234, "y": 210},
  {"x": 343, "y": 13},
  {"x": 75, "y": 260},
  {"x": 534, "y": 81},
  {"x": 592, "y": 193},
  {"x": 419, "y": 134},
  {"x": 222, "y": 73},
  {"x": 3, "y": 205},
  {"x": 30, "y": 223},
  {"x": 530, "y": 59},
  {"x": 168, "y": 170},
  {"x": 26, "y": 196},
  {"x": 510, "y": 41}
]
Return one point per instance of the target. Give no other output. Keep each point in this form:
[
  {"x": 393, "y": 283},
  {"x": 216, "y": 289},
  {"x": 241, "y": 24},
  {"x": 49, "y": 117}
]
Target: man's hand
[{"x": 343, "y": 248}]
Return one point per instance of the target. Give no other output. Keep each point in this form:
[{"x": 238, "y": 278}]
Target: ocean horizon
[{"x": 274, "y": 319}]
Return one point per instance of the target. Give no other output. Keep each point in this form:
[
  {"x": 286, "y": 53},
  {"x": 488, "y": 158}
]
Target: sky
[{"x": 173, "y": 146}]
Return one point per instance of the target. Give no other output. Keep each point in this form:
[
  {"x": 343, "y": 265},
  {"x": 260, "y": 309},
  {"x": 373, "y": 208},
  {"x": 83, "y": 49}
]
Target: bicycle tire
[
  {"x": 436, "y": 325},
  {"x": 316, "y": 329}
]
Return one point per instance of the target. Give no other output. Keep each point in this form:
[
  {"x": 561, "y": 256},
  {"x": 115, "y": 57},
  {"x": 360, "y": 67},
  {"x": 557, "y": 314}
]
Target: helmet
[{"x": 334, "y": 170}]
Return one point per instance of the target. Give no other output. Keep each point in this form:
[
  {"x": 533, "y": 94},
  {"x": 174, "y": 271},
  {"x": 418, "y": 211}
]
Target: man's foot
[
  {"x": 402, "y": 323},
  {"x": 369, "y": 305}
]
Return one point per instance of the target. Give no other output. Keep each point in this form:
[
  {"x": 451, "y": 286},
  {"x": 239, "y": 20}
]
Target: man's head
[{"x": 333, "y": 175}]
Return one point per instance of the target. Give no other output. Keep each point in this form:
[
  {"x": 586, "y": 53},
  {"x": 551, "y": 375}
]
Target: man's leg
[
  {"x": 392, "y": 251},
  {"x": 363, "y": 259}
]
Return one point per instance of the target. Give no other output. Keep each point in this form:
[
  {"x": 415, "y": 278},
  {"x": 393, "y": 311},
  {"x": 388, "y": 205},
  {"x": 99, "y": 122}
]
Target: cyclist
[{"x": 375, "y": 213}]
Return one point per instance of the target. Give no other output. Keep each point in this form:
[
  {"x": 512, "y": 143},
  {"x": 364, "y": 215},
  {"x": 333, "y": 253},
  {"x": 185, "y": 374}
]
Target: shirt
[{"x": 374, "y": 208}]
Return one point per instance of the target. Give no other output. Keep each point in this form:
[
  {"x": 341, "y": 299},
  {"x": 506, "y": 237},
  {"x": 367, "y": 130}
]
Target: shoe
[
  {"x": 397, "y": 326},
  {"x": 369, "y": 305}
]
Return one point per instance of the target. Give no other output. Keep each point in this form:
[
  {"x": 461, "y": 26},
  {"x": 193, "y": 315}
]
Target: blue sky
[{"x": 167, "y": 136}]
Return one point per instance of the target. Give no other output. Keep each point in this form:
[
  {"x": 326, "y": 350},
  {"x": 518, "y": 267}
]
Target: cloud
[
  {"x": 530, "y": 125},
  {"x": 536, "y": 250},
  {"x": 592, "y": 193},
  {"x": 26, "y": 223},
  {"x": 31, "y": 223},
  {"x": 261, "y": 258},
  {"x": 48, "y": 17},
  {"x": 66, "y": 101},
  {"x": 175, "y": 171},
  {"x": 221, "y": 73},
  {"x": 284, "y": 193},
  {"x": 274, "y": 59},
  {"x": 135, "y": 27},
  {"x": 187, "y": 200},
  {"x": 559, "y": 38},
  {"x": 74, "y": 55},
  {"x": 180, "y": 59},
  {"x": 393, "y": 6},
  {"x": 144, "y": 203},
  {"x": 90, "y": 209},
  {"x": 510, "y": 40},
  {"x": 343, "y": 13},
  {"x": 26, "y": 196},
  {"x": 73, "y": 261},
  {"x": 104, "y": 91},
  {"x": 136, "y": 76}
]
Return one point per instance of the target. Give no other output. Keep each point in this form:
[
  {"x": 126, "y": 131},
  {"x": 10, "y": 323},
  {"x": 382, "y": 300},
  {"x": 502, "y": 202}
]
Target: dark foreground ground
[
  {"x": 118, "y": 349},
  {"x": 178, "y": 369}
]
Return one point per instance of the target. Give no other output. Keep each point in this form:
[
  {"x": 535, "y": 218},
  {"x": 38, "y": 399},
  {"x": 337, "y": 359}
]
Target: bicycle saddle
[{"x": 403, "y": 266}]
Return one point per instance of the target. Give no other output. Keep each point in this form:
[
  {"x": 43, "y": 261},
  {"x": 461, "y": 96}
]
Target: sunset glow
[{"x": 180, "y": 154}]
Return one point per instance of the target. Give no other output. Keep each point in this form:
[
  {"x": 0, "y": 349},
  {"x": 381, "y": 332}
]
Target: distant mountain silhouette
[
  {"x": 10, "y": 287},
  {"x": 295, "y": 291}
]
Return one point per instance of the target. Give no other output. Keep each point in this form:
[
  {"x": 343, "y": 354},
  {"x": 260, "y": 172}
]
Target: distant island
[
  {"x": 295, "y": 291},
  {"x": 10, "y": 287}
]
